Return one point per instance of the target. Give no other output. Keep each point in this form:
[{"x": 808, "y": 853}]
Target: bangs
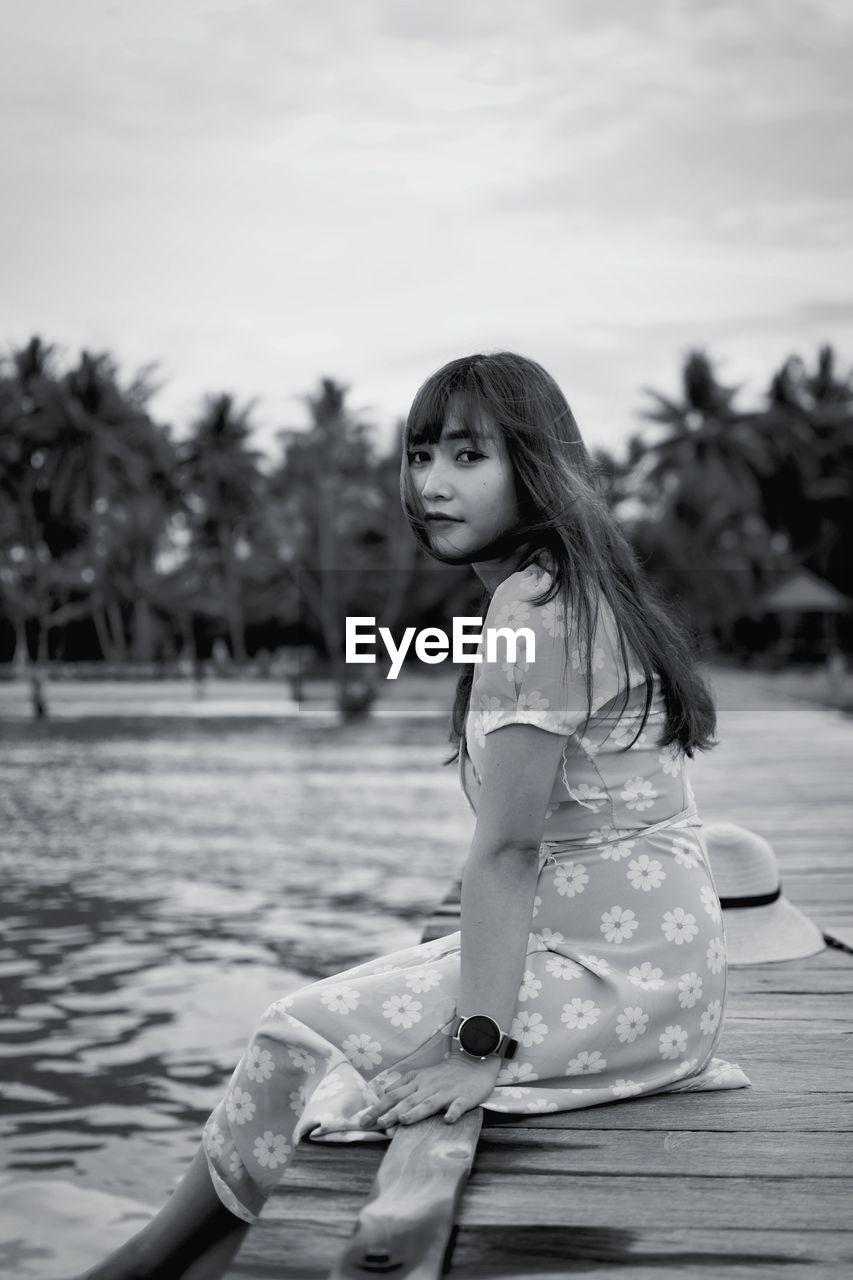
[{"x": 452, "y": 390}]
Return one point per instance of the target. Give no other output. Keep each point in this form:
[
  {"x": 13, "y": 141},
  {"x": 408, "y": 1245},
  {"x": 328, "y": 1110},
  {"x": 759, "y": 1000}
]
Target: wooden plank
[
  {"x": 786, "y": 1153},
  {"x": 304, "y": 1250},
  {"x": 814, "y": 1008},
  {"x": 679, "y": 1135},
  {"x": 406, "y": 1225},
  {"x": 833, "y": 975},
  {"x": 330, "y": 1166},
  {"x": 505, "y": 1250},
  {"x": 294, "y": 1248},
  {"x": 821, "y": 1062},
  {"x": 757, "y": 1028},
  {"x": 749, "y": 1110},
  {"x": 795, "y": 1144},
  {"x": 594, "y": 1200}
]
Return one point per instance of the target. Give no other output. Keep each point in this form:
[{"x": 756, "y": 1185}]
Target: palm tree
[
  {"x": 701, "y": 485},
  {"x": 23, "y": 376},
  {"x": 74, "y": 452},
  {"x": 808, "y": 421},
  {"x": 38, "y": 539},
  {"x": 339, "y": 531},
  {"x": 112, "y": 474},
  {"x": 223, "y": 485},
  {"x": 710, "y": 453},
  {"x": 133, "y": 534}
]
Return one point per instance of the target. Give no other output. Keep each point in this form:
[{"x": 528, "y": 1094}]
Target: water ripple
[{"x": 163, "y": 882}]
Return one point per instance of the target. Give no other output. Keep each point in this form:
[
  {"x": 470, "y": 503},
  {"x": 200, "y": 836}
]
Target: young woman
[{"x": 590, "y": 965}]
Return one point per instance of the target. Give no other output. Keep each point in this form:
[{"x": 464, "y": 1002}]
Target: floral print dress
[{"x": 623, "y": 990}]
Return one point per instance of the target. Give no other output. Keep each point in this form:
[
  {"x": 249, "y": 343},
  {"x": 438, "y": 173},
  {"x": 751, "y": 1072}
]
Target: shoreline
[{"x": 72, "y": 694}]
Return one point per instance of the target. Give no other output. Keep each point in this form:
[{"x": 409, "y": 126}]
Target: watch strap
[{"x": 507, "y": 1047}]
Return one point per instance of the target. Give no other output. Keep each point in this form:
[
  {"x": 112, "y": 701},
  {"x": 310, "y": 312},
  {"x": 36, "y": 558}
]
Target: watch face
[{"x": 479, "y": 1034}]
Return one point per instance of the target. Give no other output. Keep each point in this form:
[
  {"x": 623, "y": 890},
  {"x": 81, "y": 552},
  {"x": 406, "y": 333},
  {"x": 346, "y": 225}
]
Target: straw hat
[{"x": 761, "y": 925}]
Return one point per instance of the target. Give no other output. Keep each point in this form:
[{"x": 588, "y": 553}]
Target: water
[{"x": 163, "y": 881}]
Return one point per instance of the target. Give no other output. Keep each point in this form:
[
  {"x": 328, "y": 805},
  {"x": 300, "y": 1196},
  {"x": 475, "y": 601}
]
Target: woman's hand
[{"x": 457, "y": 1084}]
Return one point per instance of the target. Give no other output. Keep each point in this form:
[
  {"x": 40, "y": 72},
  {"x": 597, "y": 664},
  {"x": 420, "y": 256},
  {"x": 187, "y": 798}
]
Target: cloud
[
  {"x": 823, "y": 312},
  {"x": 258, "y": 193},
  {"x": 721, "y": 120}
]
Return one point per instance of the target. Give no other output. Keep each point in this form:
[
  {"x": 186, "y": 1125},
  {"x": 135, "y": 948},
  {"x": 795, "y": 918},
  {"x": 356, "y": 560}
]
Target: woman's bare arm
[
  {"x": 498, "y": 884},
  {"x": 500, "y": 873}
]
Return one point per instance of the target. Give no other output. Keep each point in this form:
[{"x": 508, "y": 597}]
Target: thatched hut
[{"x": 807, "y": 609}]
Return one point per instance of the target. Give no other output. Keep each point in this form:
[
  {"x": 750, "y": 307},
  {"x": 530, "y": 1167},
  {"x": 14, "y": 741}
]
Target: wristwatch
[{"x": 480, "y": 1037}]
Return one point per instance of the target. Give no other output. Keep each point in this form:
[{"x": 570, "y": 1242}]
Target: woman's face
[{"x": 468, "y": 481}]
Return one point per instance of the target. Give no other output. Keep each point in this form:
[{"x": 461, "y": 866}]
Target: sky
[{"x": 258, "y": 194}]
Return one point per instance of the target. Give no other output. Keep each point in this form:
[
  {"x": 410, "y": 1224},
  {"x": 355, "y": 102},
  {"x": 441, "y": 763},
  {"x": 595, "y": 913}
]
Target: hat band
[{"x": 756, "y": 900}]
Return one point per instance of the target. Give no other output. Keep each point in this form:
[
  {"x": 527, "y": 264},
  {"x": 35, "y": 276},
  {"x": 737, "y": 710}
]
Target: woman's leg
[
  {"x": 192, "y": 1227},
  {"x": 285, "y": 1062},
  {"x": 216, "y": 1261},
  {"x": 250, "y": 1136}
]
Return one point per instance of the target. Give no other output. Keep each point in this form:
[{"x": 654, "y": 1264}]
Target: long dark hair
[{"x": 565, "y": 522}]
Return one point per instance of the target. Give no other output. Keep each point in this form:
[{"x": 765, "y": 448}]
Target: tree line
[{"x": 121, "y": 542}]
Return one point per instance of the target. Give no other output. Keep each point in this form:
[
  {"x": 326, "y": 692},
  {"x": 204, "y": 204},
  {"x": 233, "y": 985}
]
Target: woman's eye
[{"x": 417, "y": 455}]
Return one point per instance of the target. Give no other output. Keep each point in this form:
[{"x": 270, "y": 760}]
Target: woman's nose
[{"x": 435, "y": 482}]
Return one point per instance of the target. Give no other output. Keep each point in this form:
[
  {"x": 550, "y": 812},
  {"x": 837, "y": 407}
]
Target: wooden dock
[{"x": 752, "y": 1182}]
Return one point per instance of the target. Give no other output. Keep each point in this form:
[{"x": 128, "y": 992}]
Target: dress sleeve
[{"x": 548, "y": 687}]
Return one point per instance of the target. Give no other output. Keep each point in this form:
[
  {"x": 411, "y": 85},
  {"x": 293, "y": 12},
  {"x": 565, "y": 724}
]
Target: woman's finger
[
  {"x": 389, "y": 1096},
  {"x": 456, "y": 1109},
  {"x": 420, "y": 1111},
  {"x": 409, "y": 1114},
  {"x": 390, "y": 1115},
  {"x": 398, "y": 1092},
  {"x": 403, "y": 1108}
]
